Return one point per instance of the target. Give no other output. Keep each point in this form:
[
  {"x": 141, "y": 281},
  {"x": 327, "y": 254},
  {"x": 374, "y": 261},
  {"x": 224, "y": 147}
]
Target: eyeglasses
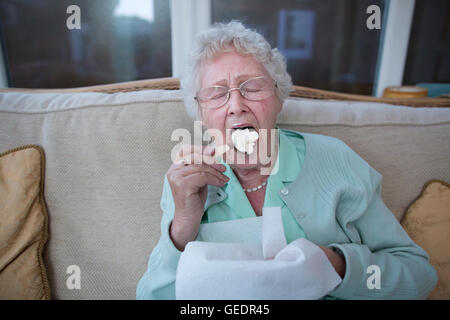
[{"x": 254, "y": 89}]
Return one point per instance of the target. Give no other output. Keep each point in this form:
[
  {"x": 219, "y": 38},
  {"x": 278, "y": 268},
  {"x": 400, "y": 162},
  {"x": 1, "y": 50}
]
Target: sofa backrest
[{"x": 106, "y": 155}]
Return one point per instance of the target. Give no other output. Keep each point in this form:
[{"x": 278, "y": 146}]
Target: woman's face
[{"x": 231, "y": 69}]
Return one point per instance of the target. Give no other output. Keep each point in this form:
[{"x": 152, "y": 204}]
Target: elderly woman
[{"x": 327, "y": 193}]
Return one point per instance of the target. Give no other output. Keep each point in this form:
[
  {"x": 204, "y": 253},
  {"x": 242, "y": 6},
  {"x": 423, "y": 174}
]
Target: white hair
[{"x": 217, "y": 40}]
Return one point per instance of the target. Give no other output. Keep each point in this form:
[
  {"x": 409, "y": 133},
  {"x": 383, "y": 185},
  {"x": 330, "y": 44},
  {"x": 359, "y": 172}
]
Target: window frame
[
  {"x": 190, "y": 17},
  {"x": 396, "y": 28}
]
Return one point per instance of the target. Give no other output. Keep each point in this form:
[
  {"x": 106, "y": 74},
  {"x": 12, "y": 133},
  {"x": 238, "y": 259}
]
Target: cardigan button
[{"x": 284, "y": 191}]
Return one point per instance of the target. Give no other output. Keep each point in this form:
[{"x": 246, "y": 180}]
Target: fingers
[
  {"x": 190, "y": 179},
  {"x": 202, "y": 178},
  {"x": 197, "y": 162},
  {"x": 195, "y": 168},
  {"x": 198, "y": 158},
  {"x": 193, "y": 148}
]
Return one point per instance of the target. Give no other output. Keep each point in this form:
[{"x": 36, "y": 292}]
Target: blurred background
[{"x": 327, "y": 43}]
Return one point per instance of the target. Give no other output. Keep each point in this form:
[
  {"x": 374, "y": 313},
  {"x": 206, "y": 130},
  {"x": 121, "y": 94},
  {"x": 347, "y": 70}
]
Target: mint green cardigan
[{"x": 336, "y": 199}]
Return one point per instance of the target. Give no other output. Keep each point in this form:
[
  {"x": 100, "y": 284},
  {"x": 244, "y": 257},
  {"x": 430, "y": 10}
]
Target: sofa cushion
[
  {"x": 107, "y": 155},
  {"x": 23, "y": 224},
  {"x": 427, "y": 221}
]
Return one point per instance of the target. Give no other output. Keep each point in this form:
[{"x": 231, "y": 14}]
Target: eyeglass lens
[{"x": 254, "y": 89}]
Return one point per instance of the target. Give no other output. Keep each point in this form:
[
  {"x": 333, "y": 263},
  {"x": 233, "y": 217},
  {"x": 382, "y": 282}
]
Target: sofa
[{"x": 107, "y": 148}]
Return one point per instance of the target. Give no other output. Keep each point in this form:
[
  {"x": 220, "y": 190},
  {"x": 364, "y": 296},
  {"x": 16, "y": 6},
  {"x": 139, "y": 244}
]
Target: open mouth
[{"x": 243, "y": 127}]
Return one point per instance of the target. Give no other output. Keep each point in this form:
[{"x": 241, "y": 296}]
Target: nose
[{"x": 236, "y": 103}]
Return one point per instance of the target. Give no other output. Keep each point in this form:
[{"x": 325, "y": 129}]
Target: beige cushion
[
  {"x": 427, "y": 222},
  {"x": 23, "y": 224},
  {"x": 107, "y": 155}
]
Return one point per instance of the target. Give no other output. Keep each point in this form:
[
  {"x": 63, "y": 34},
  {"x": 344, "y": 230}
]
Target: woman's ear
[
  {"x": 279, "y": 107},
  {"x": 199, "y": 114}
]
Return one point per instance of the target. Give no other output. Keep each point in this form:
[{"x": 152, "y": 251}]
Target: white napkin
[{"x": 258, "y": 265}]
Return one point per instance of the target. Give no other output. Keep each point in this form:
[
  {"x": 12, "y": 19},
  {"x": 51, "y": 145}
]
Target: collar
[
  {"x": 232, "y": 192},
  {"x": 289, "y": 166}
]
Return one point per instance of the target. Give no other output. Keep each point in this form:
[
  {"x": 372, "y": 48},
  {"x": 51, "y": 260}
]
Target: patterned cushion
[
  {"x": 23, "y": 224},
  {"x": 427, "y": 221}
]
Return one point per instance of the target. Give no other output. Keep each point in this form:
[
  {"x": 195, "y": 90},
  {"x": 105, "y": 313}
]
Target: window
[
  {"x": 327, "y": 43},
  {"x": 428, "y": 57},
  {"x": 119, "y": 40}
]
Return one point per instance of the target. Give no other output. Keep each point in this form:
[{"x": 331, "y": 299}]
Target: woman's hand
[
  {"x": 337, "y": 260},
  {"x": 189, "y": 177}
]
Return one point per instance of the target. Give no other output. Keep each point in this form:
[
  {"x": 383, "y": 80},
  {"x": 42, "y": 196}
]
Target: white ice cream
[{"x": 244, "y": 140}]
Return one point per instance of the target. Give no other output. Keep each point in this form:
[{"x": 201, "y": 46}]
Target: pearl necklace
[{"x": 256, "y": 188}]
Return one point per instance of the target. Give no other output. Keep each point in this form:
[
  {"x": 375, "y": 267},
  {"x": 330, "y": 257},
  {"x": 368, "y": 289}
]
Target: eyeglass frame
[{"x": 275, "y": 85}]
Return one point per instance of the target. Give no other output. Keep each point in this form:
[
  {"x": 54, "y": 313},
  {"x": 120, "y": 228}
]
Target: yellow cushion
[
  {"x": 23, "y": 224},
  {"x": 427, "y": 221}
]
